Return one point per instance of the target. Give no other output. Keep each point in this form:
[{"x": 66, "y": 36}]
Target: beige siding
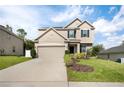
[
  {"x": 8, "y": 41},
  {"x": 74, "y": 24},
  {"x": 63, "y": 33},
  {"x": 40, "y": 33},
  {"x": 85, "y": 25},
  {"x": 86, "y": 39},
  {"x": 51, "y": 37}
]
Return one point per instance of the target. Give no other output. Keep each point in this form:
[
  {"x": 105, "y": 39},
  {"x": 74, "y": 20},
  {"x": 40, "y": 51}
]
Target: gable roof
[
  {"x": 87, "y": 23},
  {"x": 73, "y": 22},
  {"x": 117, "y": 49},
  {"x": 9, "y": 32},
  {"x": 65, "y": 28},
  {"x": 48, "y": 31}
]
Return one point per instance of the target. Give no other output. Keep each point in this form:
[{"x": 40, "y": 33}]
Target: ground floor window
[
  {"x": 83, "y": 48},
  {"x": 13, "y": 49}
]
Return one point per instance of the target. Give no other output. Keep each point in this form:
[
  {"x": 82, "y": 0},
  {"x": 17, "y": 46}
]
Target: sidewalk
[
  {"x": 60, "y": 84},
  {"x": 96, "y": 84}
]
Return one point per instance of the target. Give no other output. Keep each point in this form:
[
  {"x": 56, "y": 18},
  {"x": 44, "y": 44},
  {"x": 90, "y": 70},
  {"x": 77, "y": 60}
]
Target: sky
[{"x": 107, "y": 20}]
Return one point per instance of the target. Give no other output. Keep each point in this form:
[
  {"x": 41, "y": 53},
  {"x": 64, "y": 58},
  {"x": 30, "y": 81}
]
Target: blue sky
[{"x": 108, "y": 20}]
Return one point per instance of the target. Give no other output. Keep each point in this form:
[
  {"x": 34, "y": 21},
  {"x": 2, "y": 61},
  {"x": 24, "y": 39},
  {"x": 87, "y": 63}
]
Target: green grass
[
  {"x": 7, "y": 61},
  {"x": 105, "y": 71}
]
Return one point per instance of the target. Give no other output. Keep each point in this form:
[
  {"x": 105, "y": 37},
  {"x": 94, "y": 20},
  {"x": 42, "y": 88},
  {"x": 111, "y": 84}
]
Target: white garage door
[{"x": 51, "y": 52}]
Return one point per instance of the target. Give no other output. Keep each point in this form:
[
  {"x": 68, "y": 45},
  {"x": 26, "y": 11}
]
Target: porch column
[
  {"x": 66, "y": 46},
  {"x": 78, "y": 48}
]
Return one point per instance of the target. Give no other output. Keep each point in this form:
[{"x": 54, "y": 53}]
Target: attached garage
[
  {"x": 51, "y": 52},
  {"x": 50, "y": 45}
]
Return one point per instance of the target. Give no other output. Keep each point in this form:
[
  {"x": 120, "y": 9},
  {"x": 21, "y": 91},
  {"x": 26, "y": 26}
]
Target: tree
[
  {"x": 9, "y": 28},
  {"x": 96, "y": 49},
  {"x": 21, "y": 33}
]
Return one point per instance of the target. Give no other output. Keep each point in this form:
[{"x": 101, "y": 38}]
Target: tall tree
[
  {"x": 21, "y": 33},
  {"x": 9, "y": 28}
]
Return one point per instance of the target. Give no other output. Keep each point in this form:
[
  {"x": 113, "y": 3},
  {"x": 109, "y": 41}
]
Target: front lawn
[
  {"x": 104, "y": 71},
  {"x": 7, "y": 61}
]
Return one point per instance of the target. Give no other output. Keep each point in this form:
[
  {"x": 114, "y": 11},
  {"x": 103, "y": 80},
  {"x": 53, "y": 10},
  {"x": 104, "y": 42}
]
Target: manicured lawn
[
  {"x": 105, "y": 71},
  {"x": 7, "y": 61}
]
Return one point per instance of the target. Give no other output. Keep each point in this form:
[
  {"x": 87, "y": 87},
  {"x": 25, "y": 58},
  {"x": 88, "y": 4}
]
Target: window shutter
[
  {"x": 87, "y": 33},
  {"x": 68, "y": 33},
  {"x": 74, "y": 33},
  {"x": 81, "y": 33}
]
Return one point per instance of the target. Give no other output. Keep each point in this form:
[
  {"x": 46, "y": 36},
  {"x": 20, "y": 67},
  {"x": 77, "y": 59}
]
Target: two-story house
[
  {"x": 77, "y": 36},
  {"x": 10, "y": 43}
]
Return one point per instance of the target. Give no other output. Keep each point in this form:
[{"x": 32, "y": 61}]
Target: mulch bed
[{"x": 82, "y": 68}]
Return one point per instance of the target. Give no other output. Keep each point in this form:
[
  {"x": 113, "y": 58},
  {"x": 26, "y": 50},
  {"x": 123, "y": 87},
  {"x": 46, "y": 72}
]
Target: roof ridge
[
  {"x": 73, "y": 21},
  {"x": 47, "y": 30}
]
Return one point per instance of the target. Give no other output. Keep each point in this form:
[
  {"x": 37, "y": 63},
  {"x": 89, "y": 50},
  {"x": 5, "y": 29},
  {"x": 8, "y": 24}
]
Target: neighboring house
[
  {"x": 10, "y": 44},
  {"x": 76, "y": 36},
  {"x": 113, "y": 53}
]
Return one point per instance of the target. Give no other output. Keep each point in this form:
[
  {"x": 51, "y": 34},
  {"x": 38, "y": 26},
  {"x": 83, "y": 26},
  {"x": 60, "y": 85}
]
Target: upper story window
[
  {"x": 84, "y": 33},
  {"x": 71, "y": 34}
]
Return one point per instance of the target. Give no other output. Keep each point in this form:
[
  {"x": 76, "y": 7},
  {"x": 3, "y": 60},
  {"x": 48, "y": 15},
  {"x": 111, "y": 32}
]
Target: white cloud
[
  {"x": 72, "y": 12},
  {"x": 103, "y": 25},
  {"x": 69, "y": 13},
  {"x": 113, "y": 40},
  {"x": 116, "y": 24},
  {"x": 109, "y": 28},
  {"x": 20, "y": 17},
  {"x": 87, "y": 11},
  {"x": 112, "y": 9}
]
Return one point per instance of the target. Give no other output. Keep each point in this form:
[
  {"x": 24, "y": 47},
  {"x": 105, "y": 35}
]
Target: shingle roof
[
  {"x": 48, "y": 31},
  {"x": 117, "y": 49},
  {"x": 73, "y": 22},
  {"x": 64, "y": 28},
  {"x": 88, "y": 24}
]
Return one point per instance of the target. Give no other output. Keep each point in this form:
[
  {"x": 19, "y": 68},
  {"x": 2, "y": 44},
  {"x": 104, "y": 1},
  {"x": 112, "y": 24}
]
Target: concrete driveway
[
  {"x": 49, "y": 72},
  {"x": 44, "y": 73}
]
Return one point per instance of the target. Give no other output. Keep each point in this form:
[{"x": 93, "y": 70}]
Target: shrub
[
  {"x": 2, "y": 52},
  {"x": 72, "y": 62},
  {"x": 29, "y": 45},
  {"x": 89, "y": 52},
  {"x": 79, "y": 55},
  {"x": 96, "y": 49},
  {"x": 118, "y": 60},
  {"x": 33, "y": 53},
  {"x": 67, "y": 51}
]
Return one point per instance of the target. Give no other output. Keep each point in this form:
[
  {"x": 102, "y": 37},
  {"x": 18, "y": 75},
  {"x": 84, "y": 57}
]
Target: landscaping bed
[
  {"x": 82, "y": 68},
  {"x": 7, "y": 61},
  {"x": 102, "y": 70}
]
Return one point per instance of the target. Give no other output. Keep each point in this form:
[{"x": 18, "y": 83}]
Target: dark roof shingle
[{"x": 117, "y": 49}]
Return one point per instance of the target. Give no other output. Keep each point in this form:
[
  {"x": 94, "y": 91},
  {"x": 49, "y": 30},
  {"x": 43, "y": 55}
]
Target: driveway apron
[{"x": 36, "y": 70}]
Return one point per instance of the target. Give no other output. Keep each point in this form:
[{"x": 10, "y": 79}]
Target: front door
[{"x": 71, "y": 48}]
